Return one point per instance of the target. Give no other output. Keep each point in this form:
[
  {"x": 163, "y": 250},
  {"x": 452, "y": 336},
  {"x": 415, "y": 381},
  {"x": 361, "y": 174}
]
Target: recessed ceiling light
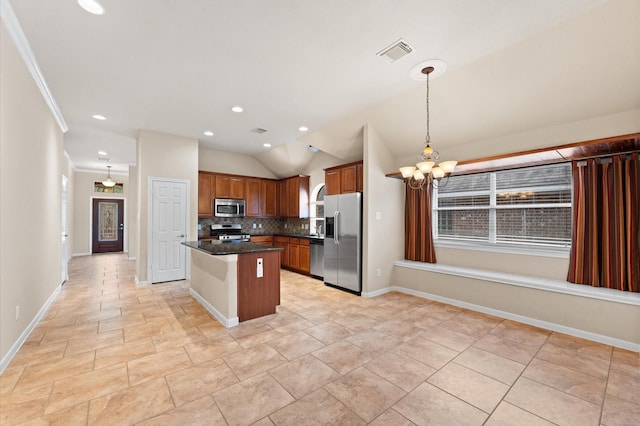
[
  {"x": 102, "y": 153},
  {"x": 99, "y": 117},
  {"x": 237, "y": 109},
  {"x": 267, "y": 145},
  {"x": 303, "y": 128},
  {"x": 91, "y": 6},
  {"x": 208, "y": 133}
]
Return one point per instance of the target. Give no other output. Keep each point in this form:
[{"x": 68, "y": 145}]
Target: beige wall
[
  {"x": 383, "y": 238},
  {"x": 83, "y": 194},
  {"x": 163, "y": 156},
  {"x": 31, "y": 161},
  {"x": 315, "y": 168},
  {"x": 132, "y": 212},
  {"x": 225, "y": 162}
]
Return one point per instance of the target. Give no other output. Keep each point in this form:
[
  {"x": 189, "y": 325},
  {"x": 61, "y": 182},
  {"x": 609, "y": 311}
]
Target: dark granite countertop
[
  {"x": 228, "y": 247},
  {"x": 300, "y": 236}
]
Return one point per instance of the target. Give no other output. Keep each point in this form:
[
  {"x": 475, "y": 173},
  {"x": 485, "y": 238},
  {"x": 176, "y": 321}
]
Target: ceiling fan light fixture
[{"x": 91, "y": 6}]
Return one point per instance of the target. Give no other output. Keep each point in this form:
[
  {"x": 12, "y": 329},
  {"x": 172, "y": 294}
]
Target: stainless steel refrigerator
[{"x": 343, "y": 242}]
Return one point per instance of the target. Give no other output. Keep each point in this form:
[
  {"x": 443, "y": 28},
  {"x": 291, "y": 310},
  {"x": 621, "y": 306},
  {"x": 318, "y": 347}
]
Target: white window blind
[{"x": 530, "y": 206}]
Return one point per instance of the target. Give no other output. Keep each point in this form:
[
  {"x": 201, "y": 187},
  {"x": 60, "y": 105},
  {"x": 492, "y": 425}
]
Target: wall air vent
[
  {"x": 104, "y": 159},
  {"x": 258, "y": 130},
  {"x": 397, "y": 50}
]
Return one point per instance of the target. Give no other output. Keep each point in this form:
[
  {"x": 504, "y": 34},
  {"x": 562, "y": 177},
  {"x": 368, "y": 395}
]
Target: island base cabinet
[{"x": 258, "y": 296}]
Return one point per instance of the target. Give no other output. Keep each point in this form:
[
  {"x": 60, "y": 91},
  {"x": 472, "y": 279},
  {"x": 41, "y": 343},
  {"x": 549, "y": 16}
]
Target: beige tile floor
[{"x": 110, "y": 353}]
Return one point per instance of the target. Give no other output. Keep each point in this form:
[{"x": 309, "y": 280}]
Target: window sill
[
  {"x": 558, "y": 252},
  {"x": 527, "y": 281}
]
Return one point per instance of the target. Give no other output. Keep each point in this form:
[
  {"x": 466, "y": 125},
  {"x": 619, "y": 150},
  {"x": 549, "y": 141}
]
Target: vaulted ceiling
[{"x": 179, "y": 67}]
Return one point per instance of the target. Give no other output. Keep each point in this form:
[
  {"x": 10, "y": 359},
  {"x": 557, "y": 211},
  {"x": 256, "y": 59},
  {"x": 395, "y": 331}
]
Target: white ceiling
[{"x": 179, "y": 67}]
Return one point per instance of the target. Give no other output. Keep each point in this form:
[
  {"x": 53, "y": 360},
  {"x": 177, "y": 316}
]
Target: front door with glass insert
[{"x": 108, "y": 225}]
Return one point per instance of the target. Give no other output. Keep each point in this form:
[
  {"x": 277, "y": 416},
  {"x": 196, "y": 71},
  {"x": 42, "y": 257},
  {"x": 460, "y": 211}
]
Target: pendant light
[
  {"x": 427, "y": 168},
  {"x": 108, "y": 183}
]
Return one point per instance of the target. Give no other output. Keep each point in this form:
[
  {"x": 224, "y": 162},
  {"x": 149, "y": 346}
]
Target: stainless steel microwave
[{"x": 223, "y": 207}]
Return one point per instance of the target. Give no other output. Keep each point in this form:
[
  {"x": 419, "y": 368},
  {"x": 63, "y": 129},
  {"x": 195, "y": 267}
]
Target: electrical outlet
[
  {"x": 379, "y": 272},
  {"x": 260, "y": 225},
  {"x": 259, "y": 269},
  {"x": 285, "y": 226},
  {"x": 17, "y": 312},
  {"x": 254, "y": 226}
]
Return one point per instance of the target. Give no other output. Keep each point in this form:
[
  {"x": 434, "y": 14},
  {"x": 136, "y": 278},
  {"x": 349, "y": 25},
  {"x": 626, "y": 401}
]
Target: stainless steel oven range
[{"x": 229, "y": 232}]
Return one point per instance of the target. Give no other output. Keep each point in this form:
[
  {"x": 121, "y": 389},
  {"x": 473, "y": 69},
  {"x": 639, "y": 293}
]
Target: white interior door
[
  {"x": 168, "y": 230},
  {"x": 64, "y": 228}
]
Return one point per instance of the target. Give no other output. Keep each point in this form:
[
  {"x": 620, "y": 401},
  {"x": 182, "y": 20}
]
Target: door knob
[{"x": 181, "y": 236}]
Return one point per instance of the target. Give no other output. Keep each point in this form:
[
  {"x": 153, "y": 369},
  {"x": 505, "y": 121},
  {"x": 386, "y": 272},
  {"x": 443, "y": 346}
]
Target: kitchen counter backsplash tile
[{"x": 270, "y": 226}]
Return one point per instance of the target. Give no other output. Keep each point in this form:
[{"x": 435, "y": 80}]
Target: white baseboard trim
[
  {"x": 227, "y": 322},
  {"x": 142, "y": 283},
  {"x": 376, "y": 293},
  {"x": 132, "y": 258},
  {"x": 635, "y": 347},
  {"x": 80, "y": 254},
  {"x": 23, "y": 337}
]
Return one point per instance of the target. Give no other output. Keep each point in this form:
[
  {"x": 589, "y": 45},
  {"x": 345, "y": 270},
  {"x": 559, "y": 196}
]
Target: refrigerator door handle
[{"x": 336, "y": 231}]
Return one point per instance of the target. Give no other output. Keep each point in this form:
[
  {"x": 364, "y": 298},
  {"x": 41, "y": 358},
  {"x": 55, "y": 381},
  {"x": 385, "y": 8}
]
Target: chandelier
[
  {"x": 108, "y": 183},
  {"x": 427, "y": 167}
]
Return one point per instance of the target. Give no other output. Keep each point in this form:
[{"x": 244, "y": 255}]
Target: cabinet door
[
  {"x": 294, "y": 256},
  {"x": 267, "y": 240},
  {"x": 348, "y": 179},
  {"x": 283, "y": 197},
  {"x": 252, "y": 197},
  {"x": 268, "y": 198},
  {"x": 282, "y": 242},
  {"x": 305, "y": 262},
  {"x": 332, "y": 182},
  {"x": 236, "y": 188},
  {"x": 205, "y": 195},
  {"x": 359, "y": 178},
  {"x": 293, "y": 197},
  {"x": 223, "y": 186}
]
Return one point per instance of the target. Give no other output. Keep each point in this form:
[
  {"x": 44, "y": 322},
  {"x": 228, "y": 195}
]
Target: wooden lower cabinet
[
  {"x": 282, "y": 242},
  {"x": 262, "y": 239},
  {"x": 295, "y": 254},
  {"x": 258, "y": 296},
  {"x": 305, "y": 258}
]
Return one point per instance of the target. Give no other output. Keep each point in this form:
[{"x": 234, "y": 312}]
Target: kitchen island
[{"x": 235, "y": 281}]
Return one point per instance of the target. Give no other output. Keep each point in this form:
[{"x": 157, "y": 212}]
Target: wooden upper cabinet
[
  {"x": 230, "y": 187},
  {"x": 282, "y": 198},
  {"x": 252, "y": 197},
  {"x": 268, "y": 198},
  {"x": 344, "y": 179},
  {"x": 332, "y": 182},
  {"x": 298, "y": 196},
  {"x": 205, "y": 194},
  {"x": 348, "y": 179}
]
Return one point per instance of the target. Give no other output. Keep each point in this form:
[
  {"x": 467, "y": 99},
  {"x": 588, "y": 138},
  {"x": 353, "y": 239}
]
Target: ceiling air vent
[
  {"x": 258, "y": 130},
  {"x": 397, "y": 50},
  {"x": 104, "y": 159}
]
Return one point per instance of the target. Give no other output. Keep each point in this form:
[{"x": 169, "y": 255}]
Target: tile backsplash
[{"x": 263, "y": 226}]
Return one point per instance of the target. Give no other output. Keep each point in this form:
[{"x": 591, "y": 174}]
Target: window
[
  {"x": 316, "y": 206},
  {"x": 528, "y": 206}
]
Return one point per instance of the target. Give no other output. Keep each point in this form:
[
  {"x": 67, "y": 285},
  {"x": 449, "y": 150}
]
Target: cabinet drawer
[
  {"x": 294, "y": 240},
  {"x": 280, "y": 239},
  {"x": 304, "y": 241}
]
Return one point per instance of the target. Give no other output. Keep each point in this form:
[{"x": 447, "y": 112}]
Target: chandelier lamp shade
[
  {"x": 108, "y": 182},
  {"x": 427, "y": 168}
]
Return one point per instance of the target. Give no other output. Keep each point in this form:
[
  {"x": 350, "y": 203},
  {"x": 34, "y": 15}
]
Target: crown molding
[{"x": 22, "y": 45}]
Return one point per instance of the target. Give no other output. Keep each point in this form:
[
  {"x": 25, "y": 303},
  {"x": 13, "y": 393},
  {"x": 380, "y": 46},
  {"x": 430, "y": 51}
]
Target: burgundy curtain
[
  {"x": 605, "y": 249},
  {"x": 418, "y": 239}
]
